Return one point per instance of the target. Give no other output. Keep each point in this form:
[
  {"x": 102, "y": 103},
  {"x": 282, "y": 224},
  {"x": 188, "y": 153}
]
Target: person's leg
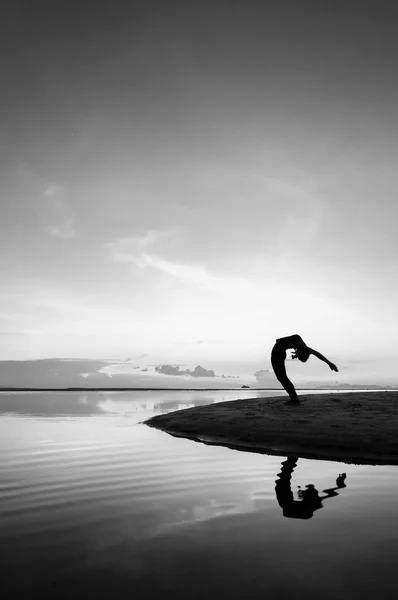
[
  {"x": 289, "y": 387},
  {"x": 280, "y": 371}
]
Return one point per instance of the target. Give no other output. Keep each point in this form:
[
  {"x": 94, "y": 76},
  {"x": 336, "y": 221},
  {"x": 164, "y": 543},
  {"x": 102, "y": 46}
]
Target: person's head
[{"x": 302, "y": 354}]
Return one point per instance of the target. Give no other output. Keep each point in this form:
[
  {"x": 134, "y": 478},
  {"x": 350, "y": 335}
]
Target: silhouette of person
[
  {"x": 310, "y": 500},
  {"x": 302, "y": 352}
]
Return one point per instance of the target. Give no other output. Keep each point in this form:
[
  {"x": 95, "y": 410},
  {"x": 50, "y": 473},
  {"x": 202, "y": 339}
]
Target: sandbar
[{"x": 352, "y": 427}]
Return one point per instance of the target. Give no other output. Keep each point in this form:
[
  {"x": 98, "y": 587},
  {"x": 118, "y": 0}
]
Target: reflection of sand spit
[{"x": 355, "y": 427}]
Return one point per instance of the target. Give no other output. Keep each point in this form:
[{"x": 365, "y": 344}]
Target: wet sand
[{"x": 358, "y": 427}]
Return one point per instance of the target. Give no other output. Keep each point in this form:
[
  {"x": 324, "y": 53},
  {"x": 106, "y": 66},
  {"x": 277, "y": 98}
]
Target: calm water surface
[{"x": 93, "y": 503}]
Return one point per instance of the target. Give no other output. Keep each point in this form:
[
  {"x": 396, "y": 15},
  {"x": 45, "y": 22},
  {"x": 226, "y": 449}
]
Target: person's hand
[{"x": 333, "y": 367}]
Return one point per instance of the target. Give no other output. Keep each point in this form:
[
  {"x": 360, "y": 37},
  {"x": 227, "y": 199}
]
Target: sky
[{"x": 184, "y": 182}]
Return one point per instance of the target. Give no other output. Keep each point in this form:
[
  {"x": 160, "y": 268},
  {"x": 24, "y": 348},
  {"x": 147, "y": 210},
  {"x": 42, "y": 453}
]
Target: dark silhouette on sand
[
  {"x": 302, "y": 352},
  {"x": 310, "y": 500}
]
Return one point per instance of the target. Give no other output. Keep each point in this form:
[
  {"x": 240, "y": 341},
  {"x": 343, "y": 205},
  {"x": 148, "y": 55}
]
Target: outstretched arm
[
  {"x": 340, "y": 483},
  {"x": 323, "y": 358}
]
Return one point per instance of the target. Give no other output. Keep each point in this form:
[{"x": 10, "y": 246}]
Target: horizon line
[{"x": 149, "y": 389}]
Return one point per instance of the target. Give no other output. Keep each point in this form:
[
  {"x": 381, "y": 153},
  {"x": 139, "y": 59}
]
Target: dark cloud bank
[
  {"x": 85, "y": 373},
  {"x": 198, "y": 371}
]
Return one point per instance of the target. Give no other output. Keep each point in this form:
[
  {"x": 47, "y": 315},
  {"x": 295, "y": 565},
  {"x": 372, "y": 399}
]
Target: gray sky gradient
[{"x": 192, "y": 180}]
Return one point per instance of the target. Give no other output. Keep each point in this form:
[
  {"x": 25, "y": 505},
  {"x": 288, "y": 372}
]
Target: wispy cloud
[
  {"x": 58, "y": 212},
  {"x": 132, "y": 249},
  {"x": 63, "y": 231},
  {"x": 304, "y": 205},
  {"x": 136, "y": 250},
  {"x": 194, "y": 343},
  {"x": 12, "y": 333},
  {"x": 52, "y": 190}
]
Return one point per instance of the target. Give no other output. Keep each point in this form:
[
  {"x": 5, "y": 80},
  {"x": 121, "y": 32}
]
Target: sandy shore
[{"x": 358, "y": 427}]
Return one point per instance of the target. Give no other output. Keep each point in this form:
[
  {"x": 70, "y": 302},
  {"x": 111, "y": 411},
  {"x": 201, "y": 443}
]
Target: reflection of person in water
[
  {"x": 310, "y": 500},
  {"x": 302, "y": 352}
]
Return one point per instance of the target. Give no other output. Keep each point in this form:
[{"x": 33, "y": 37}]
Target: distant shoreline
[{"x": 159, "y": 389}]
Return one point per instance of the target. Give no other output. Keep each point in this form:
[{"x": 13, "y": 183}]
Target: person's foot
[{"x": 293, "y": 402}]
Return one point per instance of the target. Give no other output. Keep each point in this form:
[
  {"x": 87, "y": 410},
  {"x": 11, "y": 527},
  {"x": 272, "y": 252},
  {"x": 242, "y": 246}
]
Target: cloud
[
  {"x": 132, "y": 249},
  {"x": 51, "y": 204},
  {"x": 193, "y": 343},
  {"x": 51, "y": 372},
  {"x": 92, "y": 373},
  {"x": 12, "y": 333},
  {"x": 52, "y": 190},
  {"x": 198, "y": 371},
  {"x": 63, "y": 231},
  {"x": 202, "y": 372},
  {"x": 197, "y": 275},
  {"x": 264, "y": 377},
  {"x": 72, "y": 372},
  {"x": 119, "y": 368},
  {"x": 304, "y": 207},
  {"x": 135, "y": 250},
  {"x": 171, "y": 370},
  {"x": 58, "y": 212}
]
